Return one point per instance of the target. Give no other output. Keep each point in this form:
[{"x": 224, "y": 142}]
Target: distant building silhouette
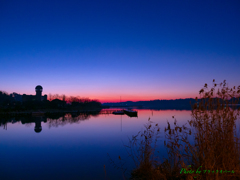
[
  {"x": 24, "y": 97},
  {"x": 37, "y": 97},
  {"x": 16, "y": 97}
]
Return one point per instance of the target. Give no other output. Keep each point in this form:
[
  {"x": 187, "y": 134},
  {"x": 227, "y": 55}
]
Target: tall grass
[
  {"x": 215, "y": 148},
  {"x": 216, "y": 140}
]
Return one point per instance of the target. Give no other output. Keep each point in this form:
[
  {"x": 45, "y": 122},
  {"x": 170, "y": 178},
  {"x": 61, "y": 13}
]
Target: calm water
[{"x": 74, "y": 147}]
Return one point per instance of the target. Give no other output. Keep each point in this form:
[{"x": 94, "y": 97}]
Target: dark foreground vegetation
[
  {"x": 9, "y": 104},
  {"x": 214, "y": 153}
]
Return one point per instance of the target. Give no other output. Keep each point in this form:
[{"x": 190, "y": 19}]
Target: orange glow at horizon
[{"x": 113, "y": 99}]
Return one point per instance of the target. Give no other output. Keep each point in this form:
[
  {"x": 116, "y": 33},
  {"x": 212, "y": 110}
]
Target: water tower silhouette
[{"x": 38, "y": 90}]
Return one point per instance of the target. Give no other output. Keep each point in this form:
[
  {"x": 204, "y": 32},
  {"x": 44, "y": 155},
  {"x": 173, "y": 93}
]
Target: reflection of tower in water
[
  {"x": 35, "y": 119},
  {"x": 38, "y": 126}
]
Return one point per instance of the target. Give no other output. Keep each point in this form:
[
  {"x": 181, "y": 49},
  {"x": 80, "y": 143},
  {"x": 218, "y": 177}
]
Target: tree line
[{"x": 54, "y": 101}]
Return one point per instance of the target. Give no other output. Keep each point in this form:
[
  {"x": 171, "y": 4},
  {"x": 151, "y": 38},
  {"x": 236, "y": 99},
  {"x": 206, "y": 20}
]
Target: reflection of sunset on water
[{"x": 62, "y": 62}]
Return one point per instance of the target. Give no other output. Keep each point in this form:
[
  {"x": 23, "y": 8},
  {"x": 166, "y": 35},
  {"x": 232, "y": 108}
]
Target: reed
[{"x": 215, "y": 148}]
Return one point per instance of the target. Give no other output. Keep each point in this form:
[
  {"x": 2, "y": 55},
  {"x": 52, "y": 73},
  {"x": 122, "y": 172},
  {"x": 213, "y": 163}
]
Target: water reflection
[
  {"x": 78, "y": 148},
  {"x": 38, "y": 127},
  {"x": 68, "y": 119},
  {"x": 52, "y": 119}
]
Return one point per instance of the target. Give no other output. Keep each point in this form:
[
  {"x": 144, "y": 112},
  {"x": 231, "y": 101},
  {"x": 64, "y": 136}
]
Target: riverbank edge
[{"x": 48, "y": 111}]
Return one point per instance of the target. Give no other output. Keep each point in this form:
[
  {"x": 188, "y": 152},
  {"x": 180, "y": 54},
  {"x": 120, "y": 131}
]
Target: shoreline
[{"x": 44, "y": 112}]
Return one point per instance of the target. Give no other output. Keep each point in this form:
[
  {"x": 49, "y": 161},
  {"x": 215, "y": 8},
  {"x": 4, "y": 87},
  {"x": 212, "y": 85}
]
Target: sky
[{"x": 136, "y": 49}]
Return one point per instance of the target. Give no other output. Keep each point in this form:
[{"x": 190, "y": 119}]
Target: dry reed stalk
[{"x": 216, "y": 143}]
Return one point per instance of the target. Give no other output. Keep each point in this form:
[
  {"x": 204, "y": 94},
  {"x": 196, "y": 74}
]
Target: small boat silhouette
[{"x": 130, "y": 112}]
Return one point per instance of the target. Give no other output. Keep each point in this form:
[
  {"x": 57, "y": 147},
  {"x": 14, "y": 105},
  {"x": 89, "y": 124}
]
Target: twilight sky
[{"x": 136, "y": 49}]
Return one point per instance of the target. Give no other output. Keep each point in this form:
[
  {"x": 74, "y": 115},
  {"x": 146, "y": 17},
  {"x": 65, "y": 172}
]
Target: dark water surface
[{"x": 74, "y": 147}]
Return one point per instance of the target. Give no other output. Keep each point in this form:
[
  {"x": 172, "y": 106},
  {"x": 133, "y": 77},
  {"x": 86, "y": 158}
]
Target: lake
[{"x": 74, "y": 147}]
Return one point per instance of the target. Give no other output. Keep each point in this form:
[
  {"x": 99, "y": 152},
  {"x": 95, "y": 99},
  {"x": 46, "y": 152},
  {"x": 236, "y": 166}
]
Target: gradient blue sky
[{"x": 139, "y": 50}]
